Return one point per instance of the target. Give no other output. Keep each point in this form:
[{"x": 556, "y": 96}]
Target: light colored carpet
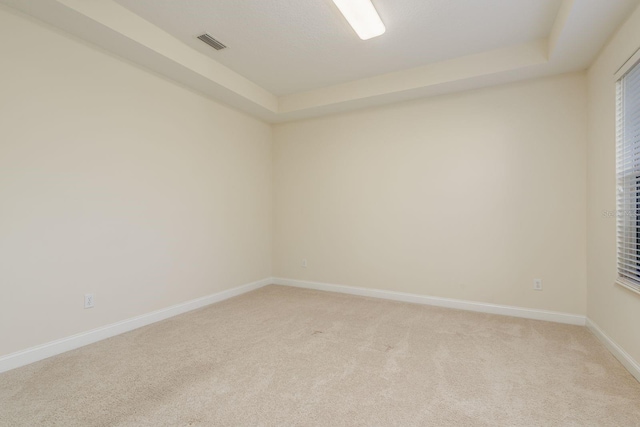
[{"x": 284, "y": 356}]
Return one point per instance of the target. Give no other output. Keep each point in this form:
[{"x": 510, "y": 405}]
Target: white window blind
[{"x": 628, "y": 177}]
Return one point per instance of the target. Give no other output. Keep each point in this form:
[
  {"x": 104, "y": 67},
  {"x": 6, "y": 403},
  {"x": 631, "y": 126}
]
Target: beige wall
[
  {"x": 615, "y": 309},
  {"x": 468, "y": 196},
  {"x": 117, "y": 182}
]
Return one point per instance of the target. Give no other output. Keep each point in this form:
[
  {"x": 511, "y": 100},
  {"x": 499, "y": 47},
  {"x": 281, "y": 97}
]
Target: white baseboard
[
  {"x": 34, "y": 354},
  {"x": 527, "y": 313},
  {"x": 619, "y": 353}
]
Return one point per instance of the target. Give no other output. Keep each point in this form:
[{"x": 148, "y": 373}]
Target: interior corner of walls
[
  {"x": 632, "y": 365},
  {"x": 558, "y": 26}
]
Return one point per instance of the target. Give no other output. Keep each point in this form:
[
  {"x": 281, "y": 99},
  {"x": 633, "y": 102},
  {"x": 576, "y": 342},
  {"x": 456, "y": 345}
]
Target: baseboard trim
[
  {"x": 53, "y": 348},
  {"x": 504, "y": 310},
  {"x": 627, "y": 361}
]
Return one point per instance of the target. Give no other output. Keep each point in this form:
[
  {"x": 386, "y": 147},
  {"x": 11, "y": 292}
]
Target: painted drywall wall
[
  {"x": 613, "y": 308},
  {"x": 116, "y": 182},
  {"x": 468, "y": 196}
]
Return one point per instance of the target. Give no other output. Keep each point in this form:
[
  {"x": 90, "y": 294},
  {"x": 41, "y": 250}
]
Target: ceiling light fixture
[{"x": 362, "y": 16}]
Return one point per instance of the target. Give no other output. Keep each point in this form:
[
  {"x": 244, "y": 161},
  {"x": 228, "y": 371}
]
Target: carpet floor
[{"x": 282, "y": 356}]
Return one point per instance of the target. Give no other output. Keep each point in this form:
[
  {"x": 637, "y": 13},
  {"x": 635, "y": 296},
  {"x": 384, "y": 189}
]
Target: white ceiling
[
  {"x": 292, "y": 59},
  {"x": 289, "y": 46}
]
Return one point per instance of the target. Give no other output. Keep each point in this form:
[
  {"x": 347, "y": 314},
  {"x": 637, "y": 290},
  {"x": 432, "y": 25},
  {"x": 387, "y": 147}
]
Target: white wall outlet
[
  {"x": 304, "y": 263},
  {"x": 537, "y": 284},
  {"x": 89, "y": 301}
]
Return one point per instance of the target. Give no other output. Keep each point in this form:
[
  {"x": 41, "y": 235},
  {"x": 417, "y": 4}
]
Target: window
[{"x": 628, "y": 177}]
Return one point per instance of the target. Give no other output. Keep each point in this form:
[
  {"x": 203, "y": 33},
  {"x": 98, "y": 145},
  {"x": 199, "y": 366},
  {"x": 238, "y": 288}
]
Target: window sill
[{"x": 628, "y": 286}]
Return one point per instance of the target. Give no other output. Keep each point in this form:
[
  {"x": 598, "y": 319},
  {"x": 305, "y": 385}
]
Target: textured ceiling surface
[{"x": 289, "y": 46}]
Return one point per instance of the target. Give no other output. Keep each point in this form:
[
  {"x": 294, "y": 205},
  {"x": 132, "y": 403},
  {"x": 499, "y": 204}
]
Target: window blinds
[{"x": 628, "y": 177}]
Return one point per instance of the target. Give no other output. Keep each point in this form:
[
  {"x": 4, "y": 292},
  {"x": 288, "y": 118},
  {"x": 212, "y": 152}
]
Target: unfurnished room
[{"x": 319, "y": 213}]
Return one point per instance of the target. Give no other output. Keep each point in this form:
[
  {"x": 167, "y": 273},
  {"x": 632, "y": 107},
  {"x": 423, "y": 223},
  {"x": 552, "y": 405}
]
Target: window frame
[{"x": 621, "y": 217}]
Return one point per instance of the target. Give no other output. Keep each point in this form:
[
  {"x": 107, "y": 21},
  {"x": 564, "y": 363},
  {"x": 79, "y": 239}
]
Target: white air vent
[{"x": 212, "y": 42}]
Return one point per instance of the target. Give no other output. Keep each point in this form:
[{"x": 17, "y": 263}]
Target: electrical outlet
[
  {"x": 537, "y": 284},
  {"x": 89, "y": 301},
  {"x": 304, "y": 263}
]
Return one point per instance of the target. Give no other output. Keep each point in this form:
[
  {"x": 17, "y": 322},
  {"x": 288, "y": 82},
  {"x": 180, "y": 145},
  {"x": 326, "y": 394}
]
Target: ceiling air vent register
[{"x": 212, "y": 42}]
